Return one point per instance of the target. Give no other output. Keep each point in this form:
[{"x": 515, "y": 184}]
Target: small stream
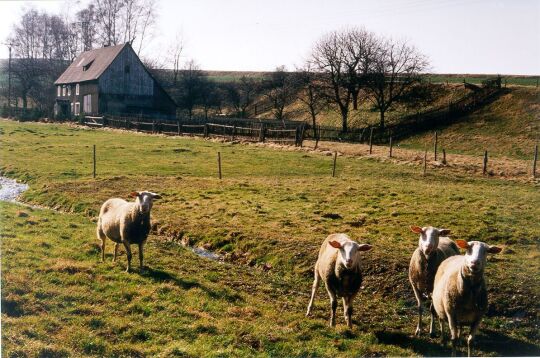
[{"x": 10, "y": 189}]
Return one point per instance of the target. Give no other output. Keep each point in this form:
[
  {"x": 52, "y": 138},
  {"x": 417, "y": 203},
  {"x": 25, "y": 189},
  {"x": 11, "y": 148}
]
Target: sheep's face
[
  {"x": 475, "y": 256},
  {"x": 145, "y": 200},
  {"x": 348, "y": 251},
  {"x": 429, "y": 238}
]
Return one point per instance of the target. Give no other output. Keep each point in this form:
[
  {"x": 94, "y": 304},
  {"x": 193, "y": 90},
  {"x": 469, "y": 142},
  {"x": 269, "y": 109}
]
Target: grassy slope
[
  {"x": 270, "y": 207},
  {"x": 509, "y": 126}
]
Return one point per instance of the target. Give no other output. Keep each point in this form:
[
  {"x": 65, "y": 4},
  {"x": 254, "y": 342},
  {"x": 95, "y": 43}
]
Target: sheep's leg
[
  {"x": 313, "y": 291},
  {"x": 116, "y": 247},
  {"x": 474, "y": 328},
  {"x": 348, "y": 310},
  {"x": 432, "y": 322},
  {"x": 443, "y": 336},
  {"x": 141, "y": 256},
  {"x": 128, "y": 252},
  {"x": 101, "y": 236},
  {"x": 452, "y": 323},
  {"x": 333, "y": 305},
  {"x": 419, "y": 302}
]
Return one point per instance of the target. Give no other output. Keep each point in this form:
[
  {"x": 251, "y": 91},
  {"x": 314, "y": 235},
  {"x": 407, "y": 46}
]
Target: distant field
[
  {"x": 477, "y": 79},
  {"x": 273, "y": 208}
]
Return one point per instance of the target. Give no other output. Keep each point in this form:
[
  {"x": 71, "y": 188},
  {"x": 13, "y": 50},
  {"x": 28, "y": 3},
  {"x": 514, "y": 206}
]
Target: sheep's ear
[
  {"x": 156, "y": 196},
  {"x": 364, "y": 247},
  {"x": 444, "y": 232},
  {"x": 335, "y": 244},
  {"x": 494, "y": 250},
  {"x": 133, "y": 194},
  {"x": 416, "y": 229},
  {"x": 462, "y": 243}
]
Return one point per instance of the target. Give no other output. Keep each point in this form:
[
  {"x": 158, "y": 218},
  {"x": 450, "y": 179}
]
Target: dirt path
[{"x": 500, "y": 167}]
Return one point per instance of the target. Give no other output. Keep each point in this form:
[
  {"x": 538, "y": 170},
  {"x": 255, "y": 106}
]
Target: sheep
[
  {"x": 127, "y": 223},
  {"x": 338, "y": 265},
  {"x": 432, "y": 249},
  {"x": 459, "y": 291}
]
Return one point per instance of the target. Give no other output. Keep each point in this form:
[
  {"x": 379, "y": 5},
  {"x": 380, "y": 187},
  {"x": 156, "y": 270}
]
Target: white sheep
[
  {"x": 433, "y": 248},
  {"x": 459, "y": 291},
  {"x": 126, "y": 222},
  {"x": 338, "y": 265}
]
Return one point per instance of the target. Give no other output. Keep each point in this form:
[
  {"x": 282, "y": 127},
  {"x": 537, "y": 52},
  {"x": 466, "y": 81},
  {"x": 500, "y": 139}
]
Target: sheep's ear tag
[
  {"x": 335, "y": 244},
  {"x": 416, "y": 229},
  {"x": 133, "y": 194},
  {"x": 462, "y": 244},
  {"x": 494, "y": 250}
]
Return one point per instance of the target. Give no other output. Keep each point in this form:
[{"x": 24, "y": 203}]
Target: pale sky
[{"x": 460, "y": 36}]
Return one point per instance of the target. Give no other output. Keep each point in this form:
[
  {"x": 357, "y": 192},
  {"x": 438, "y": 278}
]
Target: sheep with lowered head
[
  {"x": 126, "y": 223},
  {"x": 338, "y": 266},
  {"x": 433, "y": 248},
  {"x": 459, "y": 291}
]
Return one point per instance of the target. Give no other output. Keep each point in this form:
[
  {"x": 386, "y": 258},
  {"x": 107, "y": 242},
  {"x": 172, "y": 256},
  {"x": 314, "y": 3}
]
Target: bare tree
[
  {"x": 396, "y": 69},
  {"x": 188, "y": 91},
  {"x": 174, "y": 56},
  {"x": 280, "y": 90},
  {"x": 241, "y": 95},
  {"x": 311, "y": 93},
  {"x": 108, "y": 21}
]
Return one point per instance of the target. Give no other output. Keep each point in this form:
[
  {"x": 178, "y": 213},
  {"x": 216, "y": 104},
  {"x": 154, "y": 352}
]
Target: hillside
[{"x": 507, "y": 127}]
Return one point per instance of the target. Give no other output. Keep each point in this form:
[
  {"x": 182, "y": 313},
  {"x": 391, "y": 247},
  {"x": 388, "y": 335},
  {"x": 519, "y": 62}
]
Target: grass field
[{"x": 272, "y": 210}]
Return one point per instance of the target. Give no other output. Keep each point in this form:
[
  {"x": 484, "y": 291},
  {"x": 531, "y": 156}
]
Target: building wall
[
  {"x": 127, "y": 76},
  {"x": 85, "y": 88}
]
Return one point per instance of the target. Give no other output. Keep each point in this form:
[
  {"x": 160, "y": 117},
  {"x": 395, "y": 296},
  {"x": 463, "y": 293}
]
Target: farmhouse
[{"x": 110, "y": 80}]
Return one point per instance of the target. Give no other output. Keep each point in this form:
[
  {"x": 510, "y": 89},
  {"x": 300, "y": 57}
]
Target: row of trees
[{"x": 345, "y": 68}]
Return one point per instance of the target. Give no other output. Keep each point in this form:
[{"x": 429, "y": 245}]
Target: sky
[{"x": 459, "y": 36}]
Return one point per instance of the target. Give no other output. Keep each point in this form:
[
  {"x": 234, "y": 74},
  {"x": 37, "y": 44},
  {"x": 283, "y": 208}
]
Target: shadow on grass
[
  {"x": 164, "y": 276},
  {"x": 487, "y": 341}
]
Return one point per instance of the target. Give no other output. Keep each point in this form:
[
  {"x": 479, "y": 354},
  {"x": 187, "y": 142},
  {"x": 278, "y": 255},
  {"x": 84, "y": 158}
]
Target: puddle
[
  {"x": 206, "y": 254},
  {"x": 10, "y": 189}
]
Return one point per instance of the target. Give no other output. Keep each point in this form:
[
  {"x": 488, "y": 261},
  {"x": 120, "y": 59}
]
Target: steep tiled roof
[{"x": 96, "y": 62}]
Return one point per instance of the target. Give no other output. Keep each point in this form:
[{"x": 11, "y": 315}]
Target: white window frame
[
  {"x": 58, "y": 91},
  {"x": 69, "y": 90},
  {"x": 63, "y": 91},
  {"x": 87, "y": 103},
  {"x": 72, "y": 109},
  {"x": 77, "y": 108},
  {"x": 77, "y": 89}
]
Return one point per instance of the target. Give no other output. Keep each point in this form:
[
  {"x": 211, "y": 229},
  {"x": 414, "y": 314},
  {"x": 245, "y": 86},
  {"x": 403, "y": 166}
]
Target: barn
[{"x": 110, "y": 80}]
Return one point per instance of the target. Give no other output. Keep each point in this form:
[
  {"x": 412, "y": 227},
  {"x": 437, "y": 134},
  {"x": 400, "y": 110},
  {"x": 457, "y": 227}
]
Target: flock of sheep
[{"x": 454, "y": 283}]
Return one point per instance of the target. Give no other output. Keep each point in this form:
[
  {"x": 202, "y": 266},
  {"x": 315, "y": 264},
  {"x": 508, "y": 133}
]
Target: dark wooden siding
[{"x": 126, "y": 76}]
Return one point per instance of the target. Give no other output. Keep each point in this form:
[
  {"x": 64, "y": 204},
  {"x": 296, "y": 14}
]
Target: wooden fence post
[
  {"x": 233, "y": 131},
  {"x": 261, "y": 133},
  {"x": 302, "y": 129},
  {"x": 371, "y": 140},
  {"x": 153, "y": 126},
  {"x": 178, "y": 130},
  {"x": 534, "y": 161},
  {"x": 484, "y": 169},
  {"x": 425, "y": 162},
  {"x": 94, "y": 161},
  {"x": 444, "y": 156},
  {"x": 317, "y": 136},
  {"x": 435, "y": 146},
  {"x": 390, "y": 154},
  {"x": 206, "y": 130},
  {"x": 334, "y": 167},
  {"x": 219, "y": 164}
]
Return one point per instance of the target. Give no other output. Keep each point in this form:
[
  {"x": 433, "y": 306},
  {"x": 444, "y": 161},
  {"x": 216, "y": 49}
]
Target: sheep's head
[
  {"x": 429, "y": 238},
  {"x": 348, "y": 250},
  {"x": 145, "y": 199},
  {"x": 475, "y": 256}
]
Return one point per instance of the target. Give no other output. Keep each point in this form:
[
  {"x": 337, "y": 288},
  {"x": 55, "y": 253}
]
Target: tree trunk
[
  {"x": 354, "y": 95},
  {"x": 344, "y": 125},
  {"x": 382, "y": 119}
]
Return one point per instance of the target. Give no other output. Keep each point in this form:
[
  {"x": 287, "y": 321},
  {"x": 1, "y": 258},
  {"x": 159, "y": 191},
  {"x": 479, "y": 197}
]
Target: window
[
  {"x": 58, "y": 91},
  {"x": 77, "y": 108},
  {"x": 69, "y": 90},
  {"x": 87, "y": 66},
  {"x": 63, "y": 91},
  {"x": 77, "y": 89},
  {"x": 72, "y": 107},
  {"x": 87, "y": 103}
]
